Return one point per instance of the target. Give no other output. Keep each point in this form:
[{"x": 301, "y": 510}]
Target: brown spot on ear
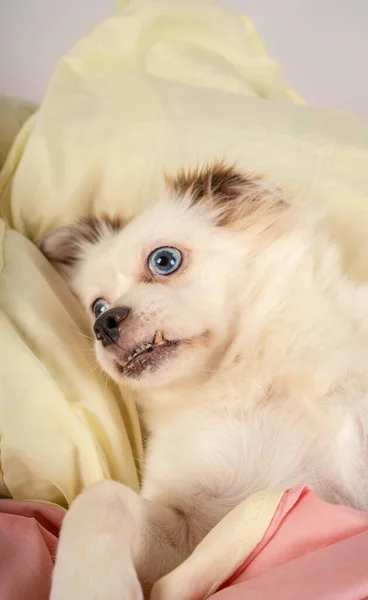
[
  {"x": 229, "y": 194},
  {"x": 216, "y": 179},
  {"x": 64, "y": 245}
]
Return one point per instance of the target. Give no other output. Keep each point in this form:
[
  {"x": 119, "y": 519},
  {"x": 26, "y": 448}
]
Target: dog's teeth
[
  {"x": 142, "y": 348},
  {"x": 159, "y": 338}
]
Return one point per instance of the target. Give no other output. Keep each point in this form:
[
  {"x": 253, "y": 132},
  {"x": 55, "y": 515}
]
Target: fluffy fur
[{"x": 267, "y": 389}]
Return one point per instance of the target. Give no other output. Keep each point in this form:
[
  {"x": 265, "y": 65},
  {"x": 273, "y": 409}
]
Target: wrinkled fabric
[
  {"x": 307, "y": 549},
  {"x": 63, "y": 426},
  {"x": 312, "y": 549},
  {"x": 275, "y": 545},
  {"x": 28, "y": 541},
  {"x": 14, "y": 112}
]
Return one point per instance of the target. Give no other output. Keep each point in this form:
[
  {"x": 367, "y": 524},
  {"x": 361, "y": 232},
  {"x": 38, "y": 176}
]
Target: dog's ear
[
  {"x": 230, "y": 196},
  {"x": 65, "y": 245}
]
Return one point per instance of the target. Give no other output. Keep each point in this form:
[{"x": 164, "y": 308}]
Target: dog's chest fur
[{"x": 205, "y": 461}]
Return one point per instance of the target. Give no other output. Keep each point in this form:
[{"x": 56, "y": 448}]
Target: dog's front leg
[{"x": 112, "y": 541}]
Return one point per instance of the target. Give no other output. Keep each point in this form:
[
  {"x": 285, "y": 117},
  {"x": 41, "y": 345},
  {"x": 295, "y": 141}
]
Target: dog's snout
[{"x": 107, "y": 326}]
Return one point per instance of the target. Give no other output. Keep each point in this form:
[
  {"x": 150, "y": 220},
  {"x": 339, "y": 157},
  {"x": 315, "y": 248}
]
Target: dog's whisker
[
  {"x": 87, "y": 337},
  {"x": 96, "y": 367}
]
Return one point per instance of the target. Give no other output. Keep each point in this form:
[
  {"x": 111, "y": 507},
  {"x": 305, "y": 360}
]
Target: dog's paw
[
  {"x": 105, "y": 583},
  {"x": 94, "y": 559}
]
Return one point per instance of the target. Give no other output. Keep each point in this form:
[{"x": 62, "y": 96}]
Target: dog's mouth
[{"x": 149, "y": 355}]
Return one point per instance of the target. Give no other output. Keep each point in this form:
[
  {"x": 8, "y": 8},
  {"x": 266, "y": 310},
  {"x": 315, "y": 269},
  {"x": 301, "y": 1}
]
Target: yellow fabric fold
[
  {"x": 62, "y": 425},
  {"x": 222, "y": 551}
]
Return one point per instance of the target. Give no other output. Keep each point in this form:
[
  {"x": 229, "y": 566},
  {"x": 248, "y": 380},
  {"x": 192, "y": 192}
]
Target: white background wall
[{"x": 322, "y": 44}]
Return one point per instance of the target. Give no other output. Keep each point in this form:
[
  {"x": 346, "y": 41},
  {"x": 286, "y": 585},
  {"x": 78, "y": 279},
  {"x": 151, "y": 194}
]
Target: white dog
[{"x": 228, "y": 312}]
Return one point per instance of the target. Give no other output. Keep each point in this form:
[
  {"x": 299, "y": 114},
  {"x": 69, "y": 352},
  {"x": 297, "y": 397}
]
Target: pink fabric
[
  {"x": 28, "y": 540},
  {"x": 311, "y": 549}
]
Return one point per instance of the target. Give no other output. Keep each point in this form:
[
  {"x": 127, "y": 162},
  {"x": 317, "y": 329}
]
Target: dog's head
[{"x": 164, "y": 292}]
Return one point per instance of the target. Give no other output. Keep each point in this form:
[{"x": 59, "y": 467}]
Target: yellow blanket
[{"x": 160, "y": 83}]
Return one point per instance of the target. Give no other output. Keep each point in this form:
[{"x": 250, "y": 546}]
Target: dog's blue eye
[
  {"x": 99, "y": 306},
  {"x": 164, "y": 261}
]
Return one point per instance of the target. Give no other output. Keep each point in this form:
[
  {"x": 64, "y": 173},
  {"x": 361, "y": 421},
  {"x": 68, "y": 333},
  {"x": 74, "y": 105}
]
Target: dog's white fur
[{"x": 271, "y": 391}]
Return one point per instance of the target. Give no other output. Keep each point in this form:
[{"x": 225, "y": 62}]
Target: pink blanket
[
  {"x": 311, "y": 549},
  {"x": 28, "y": 541}
]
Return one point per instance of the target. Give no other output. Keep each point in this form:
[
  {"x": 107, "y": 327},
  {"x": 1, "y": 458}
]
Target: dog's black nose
[{"x": 107, "y": 326}]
